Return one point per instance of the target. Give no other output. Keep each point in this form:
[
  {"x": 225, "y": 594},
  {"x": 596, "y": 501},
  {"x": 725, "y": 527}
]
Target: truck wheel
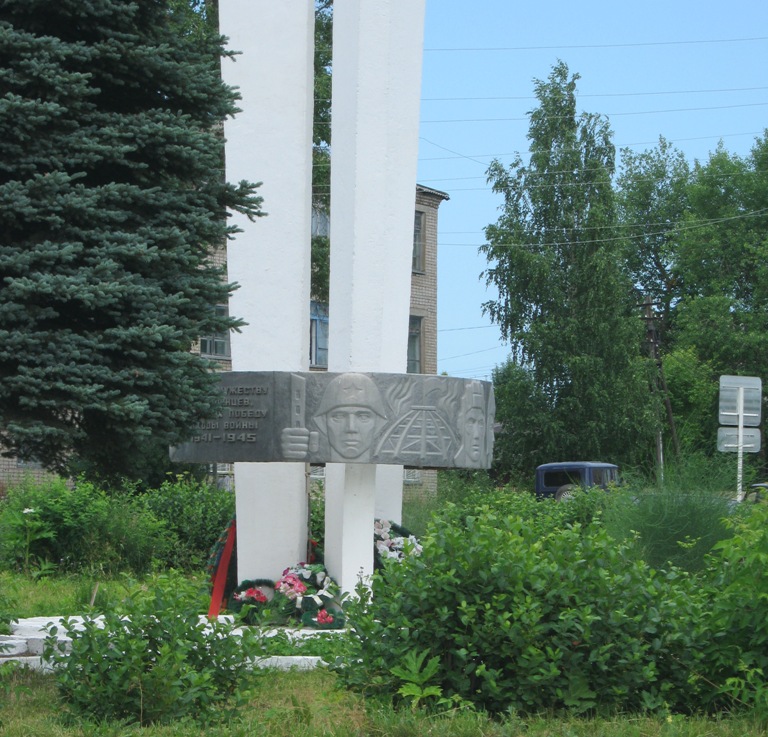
[{"x": 565, "y": 492}]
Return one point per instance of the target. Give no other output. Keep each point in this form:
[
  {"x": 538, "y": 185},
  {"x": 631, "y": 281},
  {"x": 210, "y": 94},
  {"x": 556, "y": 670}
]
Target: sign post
[{"x": 740, "y": 412}]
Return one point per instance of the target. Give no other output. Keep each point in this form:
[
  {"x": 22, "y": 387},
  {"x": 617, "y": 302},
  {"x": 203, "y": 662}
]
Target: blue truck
[{"x": 561, "y": 480}]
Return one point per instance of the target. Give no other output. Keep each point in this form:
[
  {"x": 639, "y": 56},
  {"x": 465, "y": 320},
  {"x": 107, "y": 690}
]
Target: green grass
[
  {"x": 310, "y": 704},
  {"x": 66, "y": 595},
  {"x": 417, "y": 513},
  {"x": 24, "y": 596}
]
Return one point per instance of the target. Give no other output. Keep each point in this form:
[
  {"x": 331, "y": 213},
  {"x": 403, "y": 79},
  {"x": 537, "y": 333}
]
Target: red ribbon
[{"x": 220, "y": 577}]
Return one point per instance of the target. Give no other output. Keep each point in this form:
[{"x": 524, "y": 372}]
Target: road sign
[
  {"x": 728, "y": 439},
  {"x": 750, "y": 389}
]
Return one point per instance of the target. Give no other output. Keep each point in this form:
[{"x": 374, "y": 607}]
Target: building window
[
  {"x": 318, "y": 335},
  {"x": 216, "y": 345},
  {"x": 321, "y": 223},
  {"x": 414, "y": 345},
  {"x": 418, "y": 242},
  {"x": 411, "y": 476}
]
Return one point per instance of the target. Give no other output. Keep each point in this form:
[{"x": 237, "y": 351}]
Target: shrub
[
  {"x": 737, "y": 653},
  {"x": 77, "y": 527},
  {"x": 154, "y": 659},
  {"x": 526, "y": 615},
  {"x": 546, "y": 514},
  {"x": 194, "y": 514}
]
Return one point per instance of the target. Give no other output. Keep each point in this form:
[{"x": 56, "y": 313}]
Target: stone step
[
  {"x": 11, "y": 645},
  {"x": 25, "y": 645}
]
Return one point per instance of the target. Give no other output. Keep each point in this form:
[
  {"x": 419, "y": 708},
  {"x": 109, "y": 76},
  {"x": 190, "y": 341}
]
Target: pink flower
[
  {"x": 252, "y": 594},
  {"x": 291, "y": 586},
  {"x": 256, "y": 594},
  {"x": 323, "y": 617}
]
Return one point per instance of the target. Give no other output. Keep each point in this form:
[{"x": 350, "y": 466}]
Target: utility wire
[
  {"x": 618, "y": 146},
  {"x": 602, "y": 115},
  {"x": 594, "y": 94},
  {"x": 674, "y": 229},
  {"x": 600, "y": 46}
]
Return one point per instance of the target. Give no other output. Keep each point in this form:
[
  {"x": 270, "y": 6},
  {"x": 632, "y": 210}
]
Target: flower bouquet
[
  {"x": 324, "y": 619},
  {"x": 254, "y": 599},
  {"x": 314, "y": 593},
  {"x": 392, "y": 542},
  {"x": 304, "y": 595}
]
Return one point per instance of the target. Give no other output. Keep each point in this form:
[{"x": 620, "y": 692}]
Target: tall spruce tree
[
  {"x": 565, "y": 301},
  {"x": 112, "y": 197}
]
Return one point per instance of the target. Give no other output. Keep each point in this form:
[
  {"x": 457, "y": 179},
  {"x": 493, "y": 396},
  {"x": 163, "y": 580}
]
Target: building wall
[
  {"x": 224, "y": 363},
  {"x": 424, "y": 284},
  {"x": 419, "y": 482},
  {"x": 14, "y": 471}
]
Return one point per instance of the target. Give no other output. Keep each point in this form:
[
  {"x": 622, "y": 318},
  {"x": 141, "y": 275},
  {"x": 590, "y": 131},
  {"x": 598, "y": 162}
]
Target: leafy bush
[
  {"x": 524, "y": 614},
  {"x": 737, "y": 652},
  {"x": 545, "y": 514},
  {"x": 194, "y": 513},
  {"x": 77, "y": 527},
  {"x": 154, "y": 659}
]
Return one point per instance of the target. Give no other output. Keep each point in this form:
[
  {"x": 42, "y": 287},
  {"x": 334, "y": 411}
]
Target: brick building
[{"x": 422, "y": 326}]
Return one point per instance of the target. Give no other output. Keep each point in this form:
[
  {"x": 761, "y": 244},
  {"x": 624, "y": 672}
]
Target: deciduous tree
[
  {"x": 652, "y": 196},
  {"x": 565, "y": 301}
]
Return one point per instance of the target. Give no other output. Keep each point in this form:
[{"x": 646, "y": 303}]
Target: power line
[
  {"x": 474, "y": 157},
  {"x": 600, "y": 46},
  {"x": 473, "y": 353},
  {"x": 581, "y": 94},
  {"x": 606, "y": 115},
  {"x": 595, "y": 94},
  {"x": 322, "y": 190},
  {"x": 627, "y": 226},
  {"x": 676, "y": 228},
  {"x": 476, "y": 327}
]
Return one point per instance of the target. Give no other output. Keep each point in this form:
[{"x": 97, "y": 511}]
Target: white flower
[
  {"x": 414, "y": 543},
  {"x": 381, "y": 527},
  {"x": 28, "y": 510}
]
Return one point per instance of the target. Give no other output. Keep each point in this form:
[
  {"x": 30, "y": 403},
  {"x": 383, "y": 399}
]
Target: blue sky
[{"x": 694, "y": 72}]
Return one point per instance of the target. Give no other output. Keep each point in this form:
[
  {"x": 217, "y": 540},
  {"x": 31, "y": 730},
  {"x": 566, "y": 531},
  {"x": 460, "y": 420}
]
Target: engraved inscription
[{"x": 240, "y": 417}]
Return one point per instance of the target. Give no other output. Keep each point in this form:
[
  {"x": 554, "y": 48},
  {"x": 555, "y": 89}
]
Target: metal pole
[{"x": 740, "y": 442}]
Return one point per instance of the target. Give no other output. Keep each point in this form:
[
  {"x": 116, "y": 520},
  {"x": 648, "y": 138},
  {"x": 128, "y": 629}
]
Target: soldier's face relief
[
  {"x": 474, "y": 433},
  {"x": 351, "y": 430}
]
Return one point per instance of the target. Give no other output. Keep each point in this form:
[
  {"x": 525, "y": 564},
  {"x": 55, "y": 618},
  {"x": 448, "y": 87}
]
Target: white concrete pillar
[
  {"x": 271, "y": 141},
  {"x": 377, "y": 51}
]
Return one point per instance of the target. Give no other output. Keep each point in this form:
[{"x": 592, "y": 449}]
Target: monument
[
  {"x": 364, "y": 419},
  {"x": 416, "y": 420}
]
